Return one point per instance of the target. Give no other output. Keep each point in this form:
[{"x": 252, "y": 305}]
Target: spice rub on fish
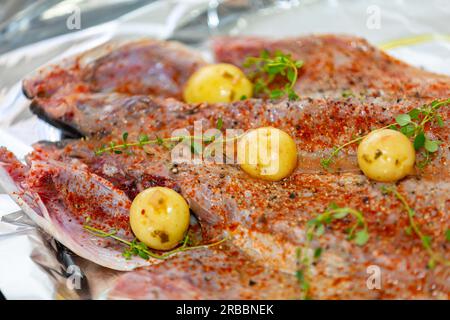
[
  {"x": 103, "y": 115},
  {"x": 214, "y": 273},
  {"x": 318, "y": 125},
  {"x": 338, "y": 65},
  {"x": 151, "y": 67},
  {"x": 267, "y": 220}
]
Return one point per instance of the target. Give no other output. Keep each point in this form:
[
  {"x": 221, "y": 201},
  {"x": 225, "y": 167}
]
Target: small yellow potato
[
  {"x": 386, "y": 155},
  {"x": 217, "y": 83},
  {"x": 159, "y": 217},
  {"x": 267, "y": 153}
]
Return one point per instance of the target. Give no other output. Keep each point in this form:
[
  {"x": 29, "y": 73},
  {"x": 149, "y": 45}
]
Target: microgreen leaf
[
  {"x": 439, "y": 120},
  {"x": 408, "y": 230},
  {"x": 361, "y": 237},
  {"x": 317, "y": 253},
  {"x": 393, "y": 127},
  {"x": 159, "y": 140},
  {"x": 196, "y": 147},
  {"x": 431, "y": 263},
  {"x": 403, "y": 119},
  {"x": 292, "y": 95},
  {"x": 340, "y": 215},
  {"x": 325, "y": 163},
  {"x": 320, "y": 230},
  {"x": 266, "y": 69},
  {"x": 426, "y": 241},
  {"x": 127, "y": 254},
  {"x": 347, "y": 93},
  {"x": 414, "y": 114},
  {"x": 431, "y": 145},
  {"x": 290, "y": 75},
  {"x": 333, "y": 206},
  {"x": 419, "y": 141},
  {"x": 219, "y": 124},
  {"x": 143, "y": 138},
  {"x": 408, "y": 130},
  {"x": 276, "y": 93}
]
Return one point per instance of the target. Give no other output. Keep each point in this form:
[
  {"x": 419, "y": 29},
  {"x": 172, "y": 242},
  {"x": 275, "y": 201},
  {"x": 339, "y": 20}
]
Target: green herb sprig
[
  {"x": 143, "y": 140},
  {"x": 265, "y": 69},
  {"x": 414, "y": 228},
  {"x": 358, "y": 233},
  {"x": 137, "y": 248},
  {"x": 412, "y": 125}
]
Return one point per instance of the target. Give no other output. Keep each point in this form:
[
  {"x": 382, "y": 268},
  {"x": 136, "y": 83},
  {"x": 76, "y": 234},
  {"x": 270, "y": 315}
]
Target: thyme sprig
[
  {"x": 137, "y": 248},
  {"x": 143, "y": 140},
  {"x": 326, "y": 162},
  {"x": 266, "y": 68},
  {"x": 412, "y": 125},
  {"x": 358, "y": 233},
  {"x": 414, "y": 227}
]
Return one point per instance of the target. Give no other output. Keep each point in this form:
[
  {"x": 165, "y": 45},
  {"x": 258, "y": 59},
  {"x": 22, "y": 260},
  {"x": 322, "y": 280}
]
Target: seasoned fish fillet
[
  {"x": 267, "y": 220},
  {"x": 336, "y": 65},
  {"x": 60, "y": 196},
  {"x": 218, "y": 274},
  {"x": 151, "y": 67}
]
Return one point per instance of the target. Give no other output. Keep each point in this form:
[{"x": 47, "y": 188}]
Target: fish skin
[
  {"x": 334, "y": 64},
  {"x": 150, "y": 67},
  {"x": 13, "y": 180},
  {"x": 57, "y": 196}
]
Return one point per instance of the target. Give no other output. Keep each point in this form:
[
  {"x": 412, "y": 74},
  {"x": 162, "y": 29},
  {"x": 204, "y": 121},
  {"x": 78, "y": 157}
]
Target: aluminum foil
[{"x": 35, "y": 266}]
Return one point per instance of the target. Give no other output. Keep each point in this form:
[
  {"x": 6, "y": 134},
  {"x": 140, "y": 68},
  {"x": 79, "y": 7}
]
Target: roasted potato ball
[
  {"x": 159, "y": 217},
  {"x": 217, "y": 83},
  {"x": 267, "y": 153},
  {"x": 386, "y": 155}
]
